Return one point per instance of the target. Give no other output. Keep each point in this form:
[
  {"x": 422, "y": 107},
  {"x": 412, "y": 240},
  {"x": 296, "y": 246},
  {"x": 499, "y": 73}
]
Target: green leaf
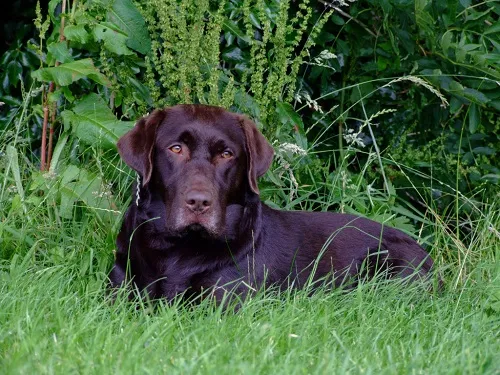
[
  {"x": 70, "y": 174},
  {"x": 76, "y": 33},
  {"x": 254, "y": 20},
  {"x": 13, "y": 159},
  {"x": 230, "y": 38},
  {"x": 11, "y": 100},
  {"x": 6, "y": 57},
  {"x": 471, "y": 47},
  {"x": 362, "y": 92},
  {"x": 94, "y": 123},
  {"x": 57, "y": 152},
  {"x": 446, "y": 41},
  {"x": 494, "y": 58},
  {"x": 474, "y": 117},
  {"x": 114, "y": 40},
  {"x": 60, "y": 52},
  {"x": 450, "y": 11},
  {"x": 484, "y": 150},
  {"x": 79, "y": 185},
  {"x": 74, "y": 182},
  {"x": 128, "y": 18},
  {"x": 472, "y": 16},
  {"x": 288, "y": 116},
  {"x": 275, "y": 180},
  {"x": 495, "y": 104},
  {"x": 68, "y": 94},
  {"x": 141, "y": 91},
  {"x": 456, "y": 88},
  {"x": 337, "y": 20},
  {"x": 495, "y": 178},
  {"x": 460, "y": 54},
  {"x": 455, "y": 104},
  {"x": 65, "y": 74},
  {"x": 246, "y": 103},
  {"x": 424, "y": 18},
  {"x": 493, "y": 29},
  {"x": 234, "y": 54},
  {"x": 52, "y": 8},
  {"x": 231, "y": 27},
  {"x": 14, "y": 71},
  {"x": 476, "y": 96}
]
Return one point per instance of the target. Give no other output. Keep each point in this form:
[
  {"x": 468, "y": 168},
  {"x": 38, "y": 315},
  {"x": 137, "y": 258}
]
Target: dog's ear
[
  {"x": 259, "y": 152},
  {"x": 136, "y": 146}
]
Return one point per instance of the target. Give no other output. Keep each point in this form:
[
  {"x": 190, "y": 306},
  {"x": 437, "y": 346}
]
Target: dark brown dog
[{"x": 197, "y": 222}]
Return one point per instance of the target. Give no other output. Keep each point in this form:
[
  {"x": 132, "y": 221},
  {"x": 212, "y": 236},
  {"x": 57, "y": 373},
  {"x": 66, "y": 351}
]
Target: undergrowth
[{"x": 406, "y": 140}]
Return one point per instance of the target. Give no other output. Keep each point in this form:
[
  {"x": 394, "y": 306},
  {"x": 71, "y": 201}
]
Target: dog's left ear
[
  {"x": 260, "y": 152},
  {"x": 136, "y": 146}
]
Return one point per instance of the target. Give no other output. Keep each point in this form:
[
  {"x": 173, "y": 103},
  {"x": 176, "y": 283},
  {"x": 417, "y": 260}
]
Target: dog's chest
[{"x": 186, "y": 270}]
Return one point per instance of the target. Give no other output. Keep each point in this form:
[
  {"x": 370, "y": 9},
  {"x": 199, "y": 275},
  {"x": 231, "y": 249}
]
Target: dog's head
[{"x": 197, "y": 160}]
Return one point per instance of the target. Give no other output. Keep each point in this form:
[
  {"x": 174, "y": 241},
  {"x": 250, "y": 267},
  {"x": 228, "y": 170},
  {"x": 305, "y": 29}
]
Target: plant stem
[
  {"x": 53, "y": 109},
  {"x": 43, "y": 148}
]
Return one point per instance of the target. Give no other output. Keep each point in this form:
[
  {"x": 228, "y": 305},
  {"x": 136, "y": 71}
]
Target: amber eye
[
  {"x": 226, "y": 154},
  {"x": 176, "y": 149}
]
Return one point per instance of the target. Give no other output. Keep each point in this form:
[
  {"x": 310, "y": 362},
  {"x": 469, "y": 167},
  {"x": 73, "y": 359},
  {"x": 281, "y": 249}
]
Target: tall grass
[{"x": 55, "y": 316}]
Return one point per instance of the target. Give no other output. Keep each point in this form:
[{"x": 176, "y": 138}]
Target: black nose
[{"x": 198, "y": 201}]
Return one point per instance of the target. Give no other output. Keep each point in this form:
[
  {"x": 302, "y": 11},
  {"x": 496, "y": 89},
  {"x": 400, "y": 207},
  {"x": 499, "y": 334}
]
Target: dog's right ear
[{"x": 136, "y": 146}]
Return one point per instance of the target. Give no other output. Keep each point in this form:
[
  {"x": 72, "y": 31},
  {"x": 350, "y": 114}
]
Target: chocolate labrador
[{"x": 196, "y": 222}]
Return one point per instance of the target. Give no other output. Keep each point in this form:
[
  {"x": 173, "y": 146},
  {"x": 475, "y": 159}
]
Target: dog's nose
[{"x": 198, "y": 201}]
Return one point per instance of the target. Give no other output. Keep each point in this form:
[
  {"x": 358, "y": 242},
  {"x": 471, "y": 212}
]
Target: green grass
[{"x": 54, "y": 318}]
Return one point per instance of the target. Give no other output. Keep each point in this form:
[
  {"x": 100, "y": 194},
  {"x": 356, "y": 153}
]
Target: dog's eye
[
  {"x": 176, "y": 149},
  {"x": 226, "y": 154}
]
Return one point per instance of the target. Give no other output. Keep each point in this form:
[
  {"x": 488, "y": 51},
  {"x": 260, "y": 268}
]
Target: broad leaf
[
  {"x": 424, "y": 18},
  {"x": 76, "y": 33},
  {"x": 57, "y": 152},
  {"x": 484, "y": 150},
  {"x": 446, "y": 41},
  {"x": 288, "y": 116},
  {"x": 60, "y": 52},
  {"x": 79, "y": 185},
  {"x": 94, "y": 123},
  {"x": 66, "y": 74},
  {"x": 231, "y": 27},
  {"x": 233, "y": 54},
  {"x": 476, "y": 96},
  {"x": 14, "y": 72},
  {"x": 493, "y": 29},
  {"x": 474, "y": 117},
  {"x": 52, "y": 8},
  {"x": 13, "y": 159},
  {"x": 128, "y": 18},
  {"x": 114, "y": 40}
]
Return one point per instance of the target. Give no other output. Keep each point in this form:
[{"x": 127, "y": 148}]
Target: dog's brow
[
  {"x": 187, "y": 137},
  {"x": 219, "y": 144}
]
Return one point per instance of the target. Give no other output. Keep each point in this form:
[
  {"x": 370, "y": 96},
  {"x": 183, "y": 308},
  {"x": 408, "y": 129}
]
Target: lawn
[{"x": 55, "y": 318}]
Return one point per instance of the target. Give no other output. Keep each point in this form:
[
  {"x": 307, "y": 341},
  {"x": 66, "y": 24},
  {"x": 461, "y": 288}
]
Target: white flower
[{"x": 291, "y": 147}]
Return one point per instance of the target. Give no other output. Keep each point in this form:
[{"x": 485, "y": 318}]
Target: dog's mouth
[
  {"x": 184, "y": 223},
  {"x": 205, "y": 226},
  {"x": 196, "y": 230}
]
